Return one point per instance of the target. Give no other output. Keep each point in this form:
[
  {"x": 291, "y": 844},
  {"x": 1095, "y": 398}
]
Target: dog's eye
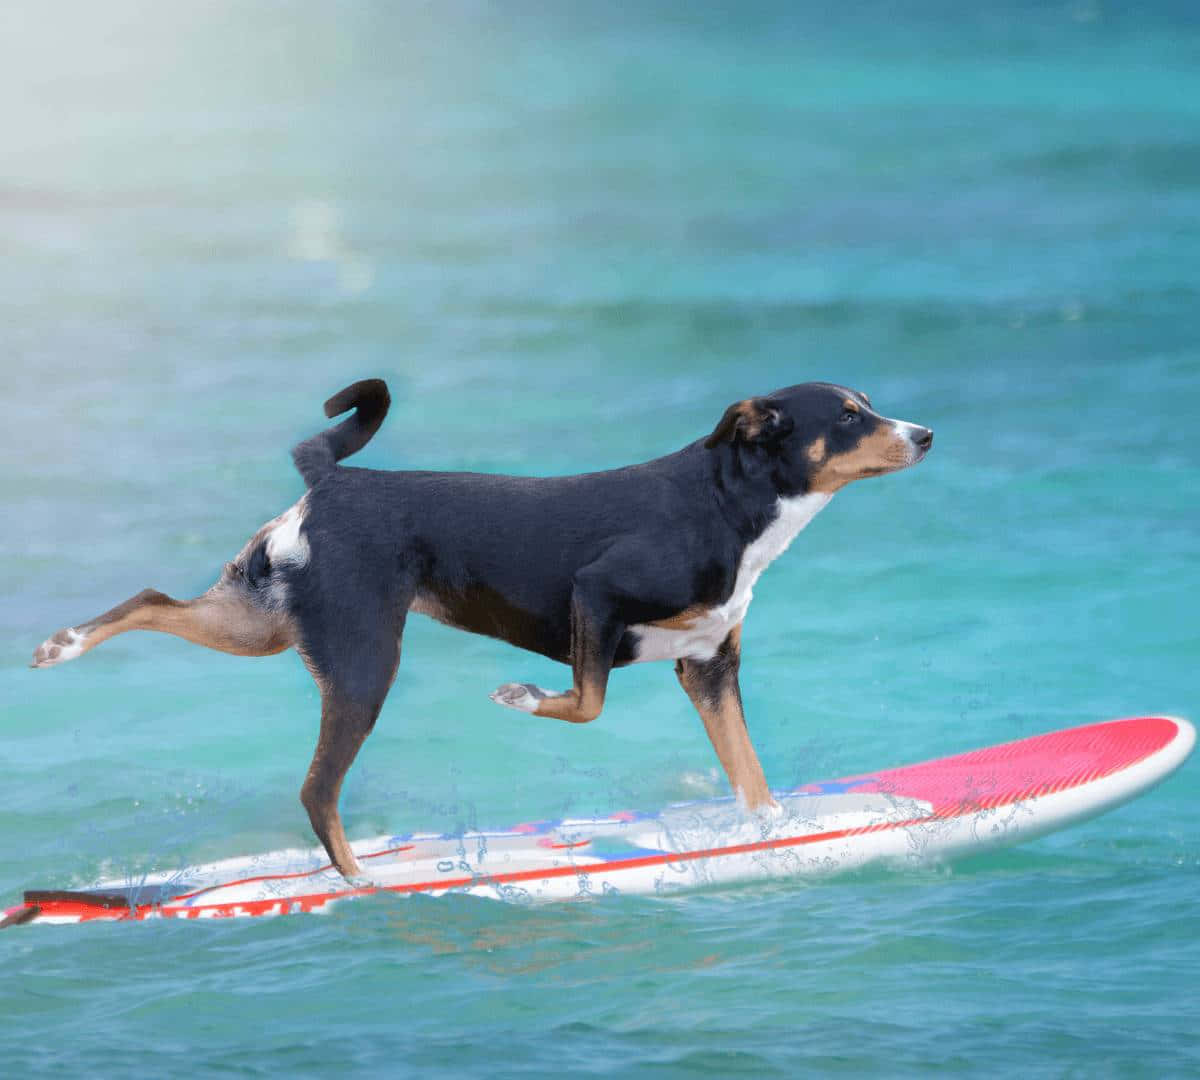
[{"x": 847, "y": 417}]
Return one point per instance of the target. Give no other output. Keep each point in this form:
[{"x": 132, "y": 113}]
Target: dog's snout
[{"x": 923, "y": 438}]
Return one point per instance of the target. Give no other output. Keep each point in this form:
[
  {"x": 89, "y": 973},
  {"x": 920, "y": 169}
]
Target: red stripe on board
[
  {"x": 283, "y": 877},
  {"x": 87, "y": 912}
]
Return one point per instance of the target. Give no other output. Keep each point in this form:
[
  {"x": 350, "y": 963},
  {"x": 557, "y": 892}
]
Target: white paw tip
[
  {"x": 772, "y": 811},
  {"x": 767, "y": 812},
  {"x": 65, "y": 645},
  {"x": 522, "y": 696}
]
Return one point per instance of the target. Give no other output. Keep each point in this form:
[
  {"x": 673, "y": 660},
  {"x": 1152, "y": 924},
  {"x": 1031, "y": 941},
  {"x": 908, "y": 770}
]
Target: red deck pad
[{"x": 1024, "y": 769}]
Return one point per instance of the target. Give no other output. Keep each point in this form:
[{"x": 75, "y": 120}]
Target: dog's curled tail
[{"x": 318, "y": 456}]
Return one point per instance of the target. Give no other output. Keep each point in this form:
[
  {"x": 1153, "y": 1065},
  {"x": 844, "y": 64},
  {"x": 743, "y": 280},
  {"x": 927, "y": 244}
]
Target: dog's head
[{"x": 819, "y": 437}]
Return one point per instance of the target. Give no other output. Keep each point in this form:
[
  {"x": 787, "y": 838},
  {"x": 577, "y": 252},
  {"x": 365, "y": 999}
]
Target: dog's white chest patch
[{"x": 704, "y": 632}]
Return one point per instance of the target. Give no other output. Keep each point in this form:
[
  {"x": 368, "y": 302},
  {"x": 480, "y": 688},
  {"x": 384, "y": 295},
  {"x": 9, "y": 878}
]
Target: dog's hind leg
[
  {"x": 713, "y": 688},
  {"x": 345, "y": 724},
  {"x": 224, "y": 618},
  {"x": 353, "y": 660}
]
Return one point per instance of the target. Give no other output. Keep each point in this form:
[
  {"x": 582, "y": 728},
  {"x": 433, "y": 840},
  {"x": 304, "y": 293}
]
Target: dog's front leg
[
  {"x": 713, "y": 687},
  {"x": 595, "y": 633}
]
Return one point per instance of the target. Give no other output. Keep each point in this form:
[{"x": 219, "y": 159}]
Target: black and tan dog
[{"x": 650, "y": 562}]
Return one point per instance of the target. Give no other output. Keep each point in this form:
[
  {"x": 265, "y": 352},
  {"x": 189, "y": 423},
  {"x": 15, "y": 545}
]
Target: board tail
[{"x": 318, "y": 456}]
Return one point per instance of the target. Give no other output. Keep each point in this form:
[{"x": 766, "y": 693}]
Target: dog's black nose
[{"x": 923, "y": 437}]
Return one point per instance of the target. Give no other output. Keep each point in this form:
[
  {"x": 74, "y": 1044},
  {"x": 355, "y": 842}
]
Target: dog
[{"x": 648, "y": 562}]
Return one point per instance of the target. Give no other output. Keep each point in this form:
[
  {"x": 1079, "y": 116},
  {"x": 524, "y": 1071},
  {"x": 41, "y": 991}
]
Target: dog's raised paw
[
  {"x": 523, "y": 696},
  {"x": 65, "y": 645}
]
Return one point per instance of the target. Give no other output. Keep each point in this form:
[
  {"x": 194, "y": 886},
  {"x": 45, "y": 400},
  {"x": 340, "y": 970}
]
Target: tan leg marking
[
  {"x": 579, "y": 705},
  {"x": 221, "y": 619},
  {"x": 353, "y": 689},
  {"x": 593, "y": 643},
  {"x": 344, "y": 728},
  {"x": 685, "y": 620},
  {"x": 712, "y": 686}
]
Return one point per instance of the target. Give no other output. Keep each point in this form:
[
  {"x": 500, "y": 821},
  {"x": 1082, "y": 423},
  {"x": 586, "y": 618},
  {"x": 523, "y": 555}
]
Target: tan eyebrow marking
[{"x": 851, "y": 405}]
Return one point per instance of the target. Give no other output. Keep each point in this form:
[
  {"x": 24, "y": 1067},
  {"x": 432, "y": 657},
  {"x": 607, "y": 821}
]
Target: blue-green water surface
[{"x": 569, "y": 235}]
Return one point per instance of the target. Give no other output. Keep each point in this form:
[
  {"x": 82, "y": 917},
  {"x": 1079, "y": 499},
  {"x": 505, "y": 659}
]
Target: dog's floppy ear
[{"x": 755, "y": 420}]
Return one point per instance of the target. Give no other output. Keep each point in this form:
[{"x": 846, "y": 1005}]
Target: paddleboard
[{"x": 917, "y": 814}]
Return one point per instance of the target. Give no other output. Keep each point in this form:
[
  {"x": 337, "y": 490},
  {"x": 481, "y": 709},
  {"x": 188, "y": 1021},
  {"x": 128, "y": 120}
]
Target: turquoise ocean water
[{"x": 570, "y": 235}]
